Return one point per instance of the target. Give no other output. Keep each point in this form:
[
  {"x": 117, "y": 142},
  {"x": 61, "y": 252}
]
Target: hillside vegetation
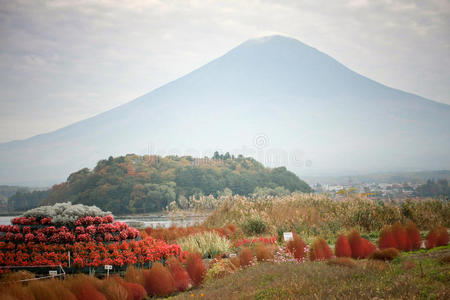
[{"x": 139, "y": 184}]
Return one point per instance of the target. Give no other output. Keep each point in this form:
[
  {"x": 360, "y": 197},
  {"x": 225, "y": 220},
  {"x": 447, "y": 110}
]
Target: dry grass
[
  {"x": 319, "y": 215},
  {"x": 319, "y": 280},
  {"x": 208, "y": 244}
]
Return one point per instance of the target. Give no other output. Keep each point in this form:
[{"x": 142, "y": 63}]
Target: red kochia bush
[
  {"x": 437, "y": 237},
  {"x": 430, "y": 241},
  {"x": 196, "y": 268},
  {"x": 297, "y": 247},
  {"x": 387, "y": 238},
  {"x": 135, "y": 291},
  {"x": 83, "y": 287},
  {"x": 179, "y": 274},
  {"x": 401, "y": 237},
  {"x": 442, "y": 237},
  {"x": 356, "y": 244},
  {"x": 158, "y": 281},
  {"x": 414, "y": 237},
  {"x": 369, "y": 248},
  {"x": 342, "y": 247},
  {"x": 320, "y": 250},
  {"x": 246, "y": 256}
]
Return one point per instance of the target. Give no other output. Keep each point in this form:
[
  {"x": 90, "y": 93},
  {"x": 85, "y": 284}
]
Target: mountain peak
[{"x": 277, "y": 41}]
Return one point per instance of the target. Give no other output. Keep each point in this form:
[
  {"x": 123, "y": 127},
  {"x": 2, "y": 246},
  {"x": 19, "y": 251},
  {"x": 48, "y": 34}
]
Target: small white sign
[
  {"x": 288, "y": 236},
  {"x": 232, "y": 254},
  {"x": 52, "y": 273},
  {"x": 108, "y": 267}
]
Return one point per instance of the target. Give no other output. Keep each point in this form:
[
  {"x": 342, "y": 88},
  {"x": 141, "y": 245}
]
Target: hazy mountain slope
[{"x": 299, "y": 99}]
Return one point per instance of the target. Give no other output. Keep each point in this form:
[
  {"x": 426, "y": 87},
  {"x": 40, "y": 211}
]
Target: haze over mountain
[{"x": 273, "y": 98}]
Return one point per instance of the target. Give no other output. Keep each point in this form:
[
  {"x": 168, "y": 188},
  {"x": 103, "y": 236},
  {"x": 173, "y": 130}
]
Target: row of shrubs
[{"x": 137, "y": 284}]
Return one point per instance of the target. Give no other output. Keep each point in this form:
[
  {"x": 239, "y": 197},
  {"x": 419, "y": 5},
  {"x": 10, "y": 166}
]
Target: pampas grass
[{"x": 208, "y": 244}]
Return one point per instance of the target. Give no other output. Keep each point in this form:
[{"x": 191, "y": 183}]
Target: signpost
[
  {"x": 53, "y": 273},
  {"x": 288, "y": 236},
  {"x": 107, "y": 268}
]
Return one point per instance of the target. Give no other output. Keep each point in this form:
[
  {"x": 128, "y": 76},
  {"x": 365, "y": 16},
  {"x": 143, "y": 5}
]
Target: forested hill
[{"x": 137, "y": 184}]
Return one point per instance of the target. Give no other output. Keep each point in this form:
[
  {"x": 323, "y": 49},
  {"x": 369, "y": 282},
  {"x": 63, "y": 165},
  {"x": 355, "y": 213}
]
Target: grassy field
[
  {"x": 413, "y": 275},
  {"x": 319, "y": 215}
]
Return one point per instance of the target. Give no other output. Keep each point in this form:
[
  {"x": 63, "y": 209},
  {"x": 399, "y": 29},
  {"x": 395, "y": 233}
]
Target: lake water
[{"x": 142, "y": 221}]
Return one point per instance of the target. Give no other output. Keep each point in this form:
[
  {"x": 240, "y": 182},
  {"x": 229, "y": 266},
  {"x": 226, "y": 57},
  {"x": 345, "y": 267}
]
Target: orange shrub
[
  {"x": 263, "y": 252},
  {"x": 342, "y": 247},
  {"x": 414, "y": 237},
  {"x": 85, "y": 287},
  {"x": 368, "y": 246},
  {"x": 246, "y": 256},
  {"x": 134, "y": 291},
  {"x": 134, "y": 275},
  {"x": 401, "y": 237},
  {"x": 442, "y": 236},
  {"x": 43, "y": 291},
  {"x": 179, "y": 274},
  {"x": 236, "y": 261},
  {"x": 342, "y": 261},
  {"x": 113, "y": 290},
  {"x": 430, "y": 241},
  {"x": 297, "y": 247},
  {"x": 356, "y": 244},
  {"x": 320, "y": 250},
  {"x": 18, "y": 291},
  {"x": 158, "y": 280},
  {"x": 387, "y": 238},
  {"x": 196, "y": 268},
  {"x": 386, "y": 254}
]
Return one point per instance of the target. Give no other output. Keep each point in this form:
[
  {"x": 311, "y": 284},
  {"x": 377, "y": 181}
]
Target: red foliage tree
[
  {"x": 158, "y": 280},
  {"x": 387, "y": 238},
  {"x": 179, "y": 274},
  {"x": 414, "y": 237},
  {"x": 356, "y": 244},
  {"x": 297, "y": 247},
  {"x": 342, "y": 247},
  {"x": 196, "y": 268}
]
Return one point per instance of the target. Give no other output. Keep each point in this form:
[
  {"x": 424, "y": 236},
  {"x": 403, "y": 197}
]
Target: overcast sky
[{"x": 64, "y": 61}]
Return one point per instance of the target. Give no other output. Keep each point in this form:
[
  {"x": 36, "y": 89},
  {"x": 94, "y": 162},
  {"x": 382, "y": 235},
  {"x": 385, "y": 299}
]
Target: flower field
[{"x": 36, "y": 239}]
